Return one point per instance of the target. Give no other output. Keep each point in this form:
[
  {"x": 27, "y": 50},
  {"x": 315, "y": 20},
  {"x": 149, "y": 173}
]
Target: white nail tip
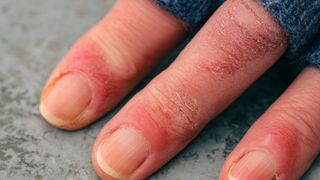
[
  {"x": 50, "y": 117},
  {"x": 230, "y": 177},
  {"x": 106, "y": 168}
]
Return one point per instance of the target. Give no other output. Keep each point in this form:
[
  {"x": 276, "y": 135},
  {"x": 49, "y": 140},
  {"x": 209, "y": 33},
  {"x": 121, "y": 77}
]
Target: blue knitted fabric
[
  {"x": 300, "y": 20},
  {"x": 193, "y": 12}
]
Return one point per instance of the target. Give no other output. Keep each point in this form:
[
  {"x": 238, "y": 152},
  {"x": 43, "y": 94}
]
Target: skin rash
[
  {"x": 117, "y": 53},
  {"x": 165, "y": 112}
]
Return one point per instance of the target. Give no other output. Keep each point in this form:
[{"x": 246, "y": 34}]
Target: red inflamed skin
[
  {"x": 238, "y": 44},
  {"x": 107, "y": 62},
  {"x": 221, "y": 61}
]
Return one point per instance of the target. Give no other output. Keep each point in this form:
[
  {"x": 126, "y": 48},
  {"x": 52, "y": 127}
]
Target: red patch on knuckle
[
  {"x": 239, "y": 34},
  {"x": 173, "y": 112},
  {"x": 285, "y": 140},
  {"x": 300, "y": 120},
  {"x": 118, "y": 57}
]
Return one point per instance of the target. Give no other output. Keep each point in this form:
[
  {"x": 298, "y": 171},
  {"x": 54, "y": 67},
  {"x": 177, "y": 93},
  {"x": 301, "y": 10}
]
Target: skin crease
[
  {"x": 116, "y": 53},
  {"x": 205, "y": 79},
  {"x": 288, "y": 130},
  {"x": 166, "y": 112}
]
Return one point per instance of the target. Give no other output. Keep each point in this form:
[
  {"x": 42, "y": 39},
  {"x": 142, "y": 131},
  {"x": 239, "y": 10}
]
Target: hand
[{"x": 237, "y": 44}]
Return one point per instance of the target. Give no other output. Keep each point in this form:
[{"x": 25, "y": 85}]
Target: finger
[
  {"x": 285, "y": 140},
  {"x": 106, "y": 63},
  {"x": 238, "y": 43}
]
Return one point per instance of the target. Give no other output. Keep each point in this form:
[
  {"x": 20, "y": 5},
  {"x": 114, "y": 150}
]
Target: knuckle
[
  {"x": 240, "y": 35},
  {"x": 117, "y": 60},
  {"x": 292, "y": 117},
  {"x": 285, "y": 132},
  {"x": 175, "y": 114},
  {"x": 229, "y": 64},
  {"x": 258, "y": 31}
]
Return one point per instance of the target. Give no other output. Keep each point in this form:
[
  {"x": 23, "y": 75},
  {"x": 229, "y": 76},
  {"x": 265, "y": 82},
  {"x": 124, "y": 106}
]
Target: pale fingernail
[
  {"x": 254, "y": 165},
  {"x": 66, "y": 100},
  {"x": 120, "y": 154}
]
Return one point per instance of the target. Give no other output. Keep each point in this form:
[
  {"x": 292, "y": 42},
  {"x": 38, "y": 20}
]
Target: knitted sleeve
[{"x": 300, "y": 20}]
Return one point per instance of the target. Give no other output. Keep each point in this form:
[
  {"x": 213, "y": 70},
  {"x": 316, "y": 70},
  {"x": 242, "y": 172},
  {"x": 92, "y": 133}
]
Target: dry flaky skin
[
  {"x": 30, "y": 148},
  {"x": 115, "y": 55},
  {"x": 201, "y": 82}
]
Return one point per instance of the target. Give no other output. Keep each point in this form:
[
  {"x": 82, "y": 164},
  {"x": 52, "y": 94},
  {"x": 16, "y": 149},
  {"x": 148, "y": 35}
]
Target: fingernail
[
  {"x": 68, "y": 98},
  {"x": 120, "y": 154},
  {"x": 254, "y": 165}
]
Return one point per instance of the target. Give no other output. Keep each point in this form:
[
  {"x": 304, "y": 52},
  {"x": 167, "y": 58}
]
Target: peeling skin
[
  {"x": 118, "y": 52},
  {"x": 251, "y": 38},
  {"x": 164, "y": 111},
  {"x": 30, "y": 149}
]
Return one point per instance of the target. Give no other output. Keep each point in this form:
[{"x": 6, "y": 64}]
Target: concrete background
[{"x": 34, "y": 35}]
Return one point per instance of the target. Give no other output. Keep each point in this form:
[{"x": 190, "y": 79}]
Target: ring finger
[{"x": 285, "y": 140}]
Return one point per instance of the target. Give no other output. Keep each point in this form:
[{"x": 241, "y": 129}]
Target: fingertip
[
  {"x": 57, "y": 122},
  {"x": 253, "y": 165},
  {"x": 120, "y": 153},
  {"x": 51, "y": 119},
  {"x": 65, "y": 100},
  {"x": 101, "y": 173}
]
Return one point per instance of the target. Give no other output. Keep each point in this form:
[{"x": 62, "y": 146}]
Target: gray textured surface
[{"x": 34, "y": 34}]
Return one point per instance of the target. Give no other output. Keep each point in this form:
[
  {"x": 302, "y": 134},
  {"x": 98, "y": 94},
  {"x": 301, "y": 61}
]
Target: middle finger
[{"x": 238, "y": 43}]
